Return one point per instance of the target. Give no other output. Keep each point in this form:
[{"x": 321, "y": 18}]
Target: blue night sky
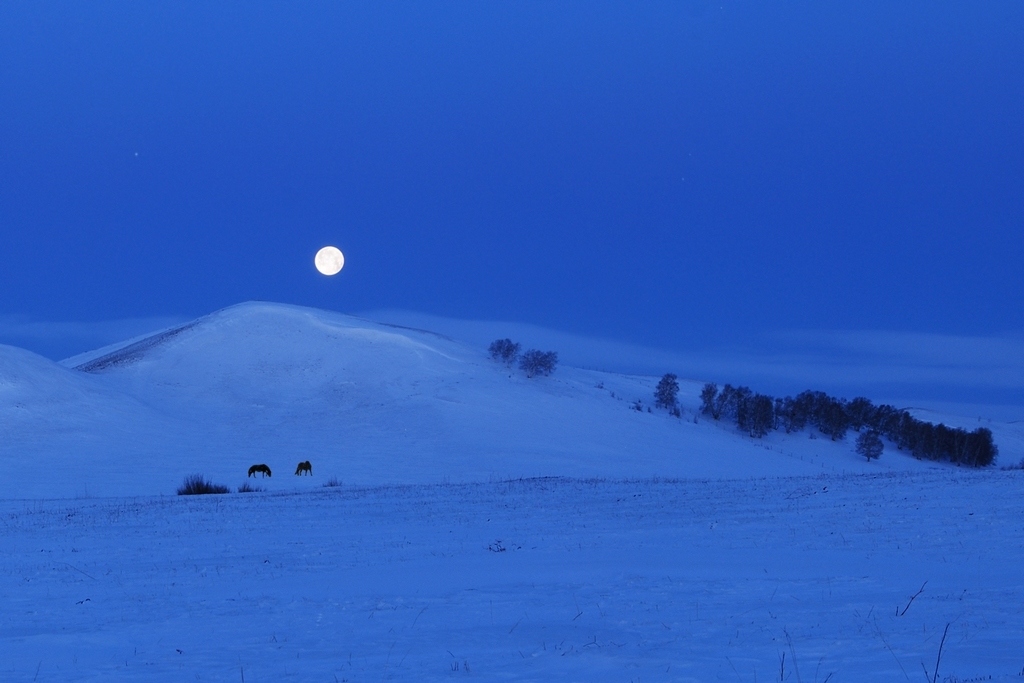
[{"x": 685, "y": 176}]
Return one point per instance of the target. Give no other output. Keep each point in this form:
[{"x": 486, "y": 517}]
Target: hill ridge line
[{"x": 133, "y": 352}]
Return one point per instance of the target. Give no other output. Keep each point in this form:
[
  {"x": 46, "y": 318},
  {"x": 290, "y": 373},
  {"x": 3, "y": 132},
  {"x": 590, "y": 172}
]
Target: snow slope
[{"x": 365, "y": 402}]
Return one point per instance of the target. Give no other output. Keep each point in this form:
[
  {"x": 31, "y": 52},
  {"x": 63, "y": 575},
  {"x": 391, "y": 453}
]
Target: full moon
[{"x": 329, "y": 260}]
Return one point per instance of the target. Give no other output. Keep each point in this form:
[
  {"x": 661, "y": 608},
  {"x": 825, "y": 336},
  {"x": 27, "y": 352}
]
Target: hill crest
[{"x": 365, "y": 402}]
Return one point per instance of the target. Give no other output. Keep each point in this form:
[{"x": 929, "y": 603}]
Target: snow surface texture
[
  {"x": 489, "y": 526},
  {"x": 533, "y": 580},
  {"x": 369, "y": 403}
]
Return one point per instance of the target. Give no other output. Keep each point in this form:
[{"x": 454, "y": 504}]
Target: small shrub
[
  {"x": 196, "y": 485},
  {"x": 249, "y": 488},
  {"x": 332, "y": 482},
  {"x": 535, "y": 362},
  {"x": 504, "y": 351}
]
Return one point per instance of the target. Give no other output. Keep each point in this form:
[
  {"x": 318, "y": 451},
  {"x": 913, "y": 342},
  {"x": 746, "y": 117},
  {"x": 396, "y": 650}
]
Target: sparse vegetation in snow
[
  {"x": 535, "y": 362},
  {"x": 197, "y": 485},
  {"x": 666, "y": 394},
  {"x": 504, "y": 351}
]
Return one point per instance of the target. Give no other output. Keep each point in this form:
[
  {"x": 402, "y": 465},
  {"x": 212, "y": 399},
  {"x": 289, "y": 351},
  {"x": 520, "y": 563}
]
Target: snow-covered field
[
  {"x": 489, "y": 526},
  {"x": 532, "y": 580}
]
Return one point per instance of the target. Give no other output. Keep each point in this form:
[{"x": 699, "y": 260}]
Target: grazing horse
[
  {"x": 259, "y": 468},
  {"x": 304, "y": 466}
]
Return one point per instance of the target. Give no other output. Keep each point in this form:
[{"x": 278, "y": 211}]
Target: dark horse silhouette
[
  {"x": 259, "y": 468},
  {"x": 304, "y": 466}
]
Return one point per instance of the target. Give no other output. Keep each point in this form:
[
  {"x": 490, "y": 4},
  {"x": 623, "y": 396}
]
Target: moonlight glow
[{"x": 329, "y": 260}]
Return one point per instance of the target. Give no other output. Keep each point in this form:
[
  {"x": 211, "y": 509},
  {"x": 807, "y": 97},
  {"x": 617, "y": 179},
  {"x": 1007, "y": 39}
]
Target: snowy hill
[
  {"x": 365, "y": 402},
  {"x": 745, "y": 568}
]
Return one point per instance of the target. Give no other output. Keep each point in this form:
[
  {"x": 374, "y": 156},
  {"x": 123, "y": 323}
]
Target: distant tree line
[
  {"x": 757, "y": 414},
  {"x": 533, "y": 362}
]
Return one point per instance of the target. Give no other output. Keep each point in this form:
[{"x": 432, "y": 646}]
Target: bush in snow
[
  {"x": 196, "y": 485},
  {"x": 248, "y": 488},
  {"x": 666, "y": 394},
  {"x": 536, "y": 362},
  {"x": 869, "y": 444},
  {"x": 504, "y": 351}
]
